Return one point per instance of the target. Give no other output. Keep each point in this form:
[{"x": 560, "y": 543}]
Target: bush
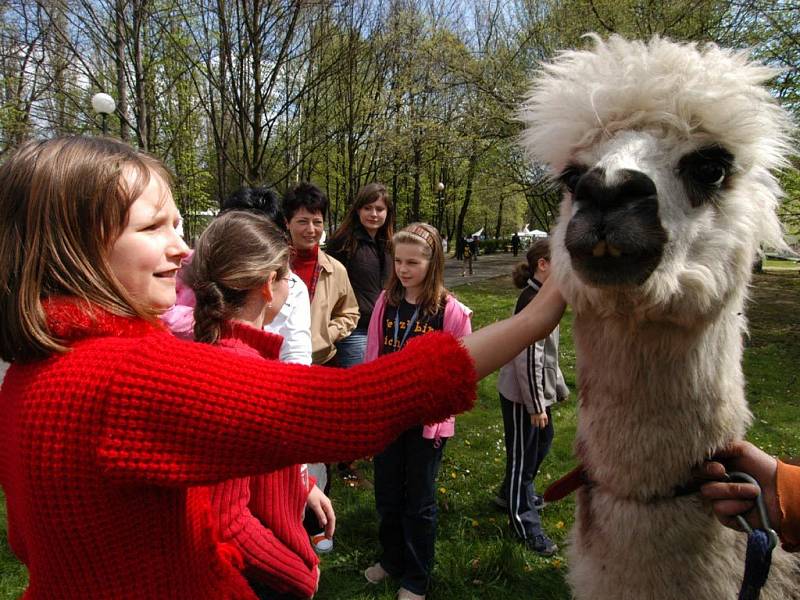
[{"x": 492, "y": 246}]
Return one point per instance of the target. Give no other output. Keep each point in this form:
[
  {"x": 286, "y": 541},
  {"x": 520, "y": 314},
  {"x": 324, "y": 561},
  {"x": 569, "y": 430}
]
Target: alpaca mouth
[{"x": 620, "y": 248}]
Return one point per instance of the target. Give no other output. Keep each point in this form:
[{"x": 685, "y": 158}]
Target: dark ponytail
[{"x": 524, "y": 271}]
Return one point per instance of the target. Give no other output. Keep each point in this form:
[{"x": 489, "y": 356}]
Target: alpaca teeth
[
  {"x": 614, "y": 251},
  {"x": 599, "y": 249}
]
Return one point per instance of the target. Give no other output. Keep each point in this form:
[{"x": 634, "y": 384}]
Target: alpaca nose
[
  {"x": 625, "y": 187},
  {"x": 615, "y": 236}
]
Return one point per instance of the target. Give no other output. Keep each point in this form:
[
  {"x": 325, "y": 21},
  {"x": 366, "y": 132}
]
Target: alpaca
[{"x": 665, "y": 151}]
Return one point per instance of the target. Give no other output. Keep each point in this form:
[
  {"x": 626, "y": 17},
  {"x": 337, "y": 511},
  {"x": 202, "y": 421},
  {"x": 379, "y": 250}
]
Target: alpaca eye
[
  {"x": 704, "y": 172},
  {"x": 710, "y": 173},
  {"x": 569, "y": 177}
]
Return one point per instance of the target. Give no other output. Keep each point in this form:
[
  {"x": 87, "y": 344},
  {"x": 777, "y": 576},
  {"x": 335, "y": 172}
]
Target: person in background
[
  {"x": 528, "y": 386},
  {"x": 515, "y": 243},
  {"x": 779, "y": 482},
  {"x": 415, "y": 303},
  {"x": 241, "y": 279},
  {"x": 467, "y": 257},
  {"x": 362, "y": 243},
  {"x": 334, "y": 309}
]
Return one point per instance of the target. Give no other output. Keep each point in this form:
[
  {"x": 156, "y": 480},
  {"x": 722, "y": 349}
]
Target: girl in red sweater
[
  {"x": 240, "y": 276},
  {"x": 108, "y": 421}
]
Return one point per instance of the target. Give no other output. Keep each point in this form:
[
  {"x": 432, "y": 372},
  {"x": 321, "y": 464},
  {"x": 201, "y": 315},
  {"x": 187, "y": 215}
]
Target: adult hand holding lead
[{"x": 729, "y": 499}]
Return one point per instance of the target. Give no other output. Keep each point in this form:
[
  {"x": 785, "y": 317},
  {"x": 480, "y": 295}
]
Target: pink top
[{"x": 457, "y": 321}]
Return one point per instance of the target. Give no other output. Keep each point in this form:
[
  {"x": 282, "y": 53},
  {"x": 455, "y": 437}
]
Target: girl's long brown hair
[
  {"x": 434, "y": 294},
  {"x": 235, "y": 255},
  {"x": 345, "y": 233},
  {"x": 63, "y": 203}
]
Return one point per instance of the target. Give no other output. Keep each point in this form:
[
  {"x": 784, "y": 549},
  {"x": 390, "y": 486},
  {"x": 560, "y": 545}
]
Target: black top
[
  {"x": 367, "y": 269},
  {"x": 405, "y": 313},
  {"x": 527, "y": 295}
]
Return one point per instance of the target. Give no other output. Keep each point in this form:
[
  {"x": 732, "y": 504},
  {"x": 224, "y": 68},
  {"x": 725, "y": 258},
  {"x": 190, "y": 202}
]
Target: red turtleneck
[{"x": 304, "y": 263}]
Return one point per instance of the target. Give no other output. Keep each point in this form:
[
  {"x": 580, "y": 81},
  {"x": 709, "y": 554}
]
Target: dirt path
[{"x": 486, "y": 267}]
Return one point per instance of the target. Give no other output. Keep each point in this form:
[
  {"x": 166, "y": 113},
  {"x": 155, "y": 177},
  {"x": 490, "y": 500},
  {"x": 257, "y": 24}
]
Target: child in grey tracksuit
[{"x": 529, "y": 385}]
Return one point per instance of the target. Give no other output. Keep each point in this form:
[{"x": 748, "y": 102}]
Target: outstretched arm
[{"x": 493, "y": 346}]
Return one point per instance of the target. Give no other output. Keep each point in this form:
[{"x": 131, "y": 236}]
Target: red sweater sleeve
[
  {"x": 788, "y": 484},
  {"x": 277, "y": 565},
  {"x": 179, "y": 413}
]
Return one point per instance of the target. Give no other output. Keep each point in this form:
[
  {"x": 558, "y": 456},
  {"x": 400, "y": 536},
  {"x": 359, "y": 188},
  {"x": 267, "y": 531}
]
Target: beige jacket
[{"x": 334, "y": 309}]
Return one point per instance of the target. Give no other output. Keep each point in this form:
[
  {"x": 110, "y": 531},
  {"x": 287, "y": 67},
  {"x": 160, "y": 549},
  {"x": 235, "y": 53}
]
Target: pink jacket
[{"x": 457, "y": 321}]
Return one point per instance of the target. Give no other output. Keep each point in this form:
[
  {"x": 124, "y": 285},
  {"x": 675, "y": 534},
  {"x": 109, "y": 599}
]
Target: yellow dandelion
[
  {"x": 560, "y": 525},
  {"x": 443, "y": 490}
]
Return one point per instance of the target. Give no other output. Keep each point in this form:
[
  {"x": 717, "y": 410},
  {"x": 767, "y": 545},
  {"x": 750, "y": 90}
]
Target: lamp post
[
  {"x": 440, "y": 204},
  {"x": 105, "y": 105}
]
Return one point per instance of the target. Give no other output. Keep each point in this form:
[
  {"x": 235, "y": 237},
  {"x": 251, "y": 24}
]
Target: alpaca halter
[{"x": 579, "y": 476}]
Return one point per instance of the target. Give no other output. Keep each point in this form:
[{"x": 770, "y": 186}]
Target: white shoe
[
  {"x": 404, "y": 594},
  {"x": 376, "y": 573},
  {"x": 321, "y": 544}
]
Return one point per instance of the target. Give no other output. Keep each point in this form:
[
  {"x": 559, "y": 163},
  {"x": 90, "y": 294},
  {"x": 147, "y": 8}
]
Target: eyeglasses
[{"x": 289, "y": 281}]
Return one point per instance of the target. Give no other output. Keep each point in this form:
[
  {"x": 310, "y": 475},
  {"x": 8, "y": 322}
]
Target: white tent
[{"x": 528, "y": 233}]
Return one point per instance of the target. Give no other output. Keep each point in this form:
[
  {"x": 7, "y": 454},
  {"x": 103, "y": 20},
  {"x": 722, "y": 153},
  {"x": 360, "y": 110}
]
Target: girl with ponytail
[{"x": 240, "y": 277}]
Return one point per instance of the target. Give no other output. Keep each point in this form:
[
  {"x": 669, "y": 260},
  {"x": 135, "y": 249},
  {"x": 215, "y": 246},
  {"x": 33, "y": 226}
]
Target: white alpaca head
[{"x": 666, "y": 153}]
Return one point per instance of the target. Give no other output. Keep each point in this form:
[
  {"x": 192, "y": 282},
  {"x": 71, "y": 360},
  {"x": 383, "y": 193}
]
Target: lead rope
[{"x": 760, "y": 544}]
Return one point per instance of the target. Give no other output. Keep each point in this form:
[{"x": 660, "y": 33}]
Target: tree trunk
[
  {"x": 119, "y": 66},
  {"x": 473, "y": 164}
]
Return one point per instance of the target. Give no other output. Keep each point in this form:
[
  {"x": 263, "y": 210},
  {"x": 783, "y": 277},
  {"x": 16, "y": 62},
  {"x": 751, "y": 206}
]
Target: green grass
[
  {"x": 476, "y": 554},
  {"x": 775, "y": 264}
]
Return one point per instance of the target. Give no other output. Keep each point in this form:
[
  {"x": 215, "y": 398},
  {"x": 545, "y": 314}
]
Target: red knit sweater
[
  {"x": 262, "y": 516},
  {"x": 99, "y": 446}
]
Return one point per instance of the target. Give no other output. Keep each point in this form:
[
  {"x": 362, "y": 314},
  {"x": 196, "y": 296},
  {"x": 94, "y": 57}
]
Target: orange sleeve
[{"x": 788, "y": 484}]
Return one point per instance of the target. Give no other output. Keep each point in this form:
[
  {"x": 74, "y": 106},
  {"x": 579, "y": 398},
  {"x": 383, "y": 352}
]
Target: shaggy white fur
[{"x": 659, "y": 346}]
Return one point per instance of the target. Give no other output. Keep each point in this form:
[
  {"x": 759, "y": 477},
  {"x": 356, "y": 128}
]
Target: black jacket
[{"x": 368, "y": 269}]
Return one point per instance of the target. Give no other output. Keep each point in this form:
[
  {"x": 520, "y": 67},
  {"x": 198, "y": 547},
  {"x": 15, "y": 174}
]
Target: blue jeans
[
  {"x": 350, "y": 350},
  {"x": 405, "y": 496},
  {"x": 526, "y": 448}
]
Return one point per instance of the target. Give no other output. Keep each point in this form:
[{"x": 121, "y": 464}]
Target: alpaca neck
[{"x": 652, "y": 393}]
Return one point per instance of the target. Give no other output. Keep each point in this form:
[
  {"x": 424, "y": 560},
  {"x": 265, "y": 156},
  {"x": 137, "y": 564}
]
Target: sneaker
[
  {"x": 321, "y": 543},
  {"x": 541, "y": 544},
  {"x": 376, "y": 573},
  {"x": 404, "y": 594}
]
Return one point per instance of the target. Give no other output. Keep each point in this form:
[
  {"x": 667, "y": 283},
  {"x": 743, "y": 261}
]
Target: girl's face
[
  {"x": 147, "y": 254},
  {"x": 373, "y": 216},
  {"x": 411, "y": 265}
]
